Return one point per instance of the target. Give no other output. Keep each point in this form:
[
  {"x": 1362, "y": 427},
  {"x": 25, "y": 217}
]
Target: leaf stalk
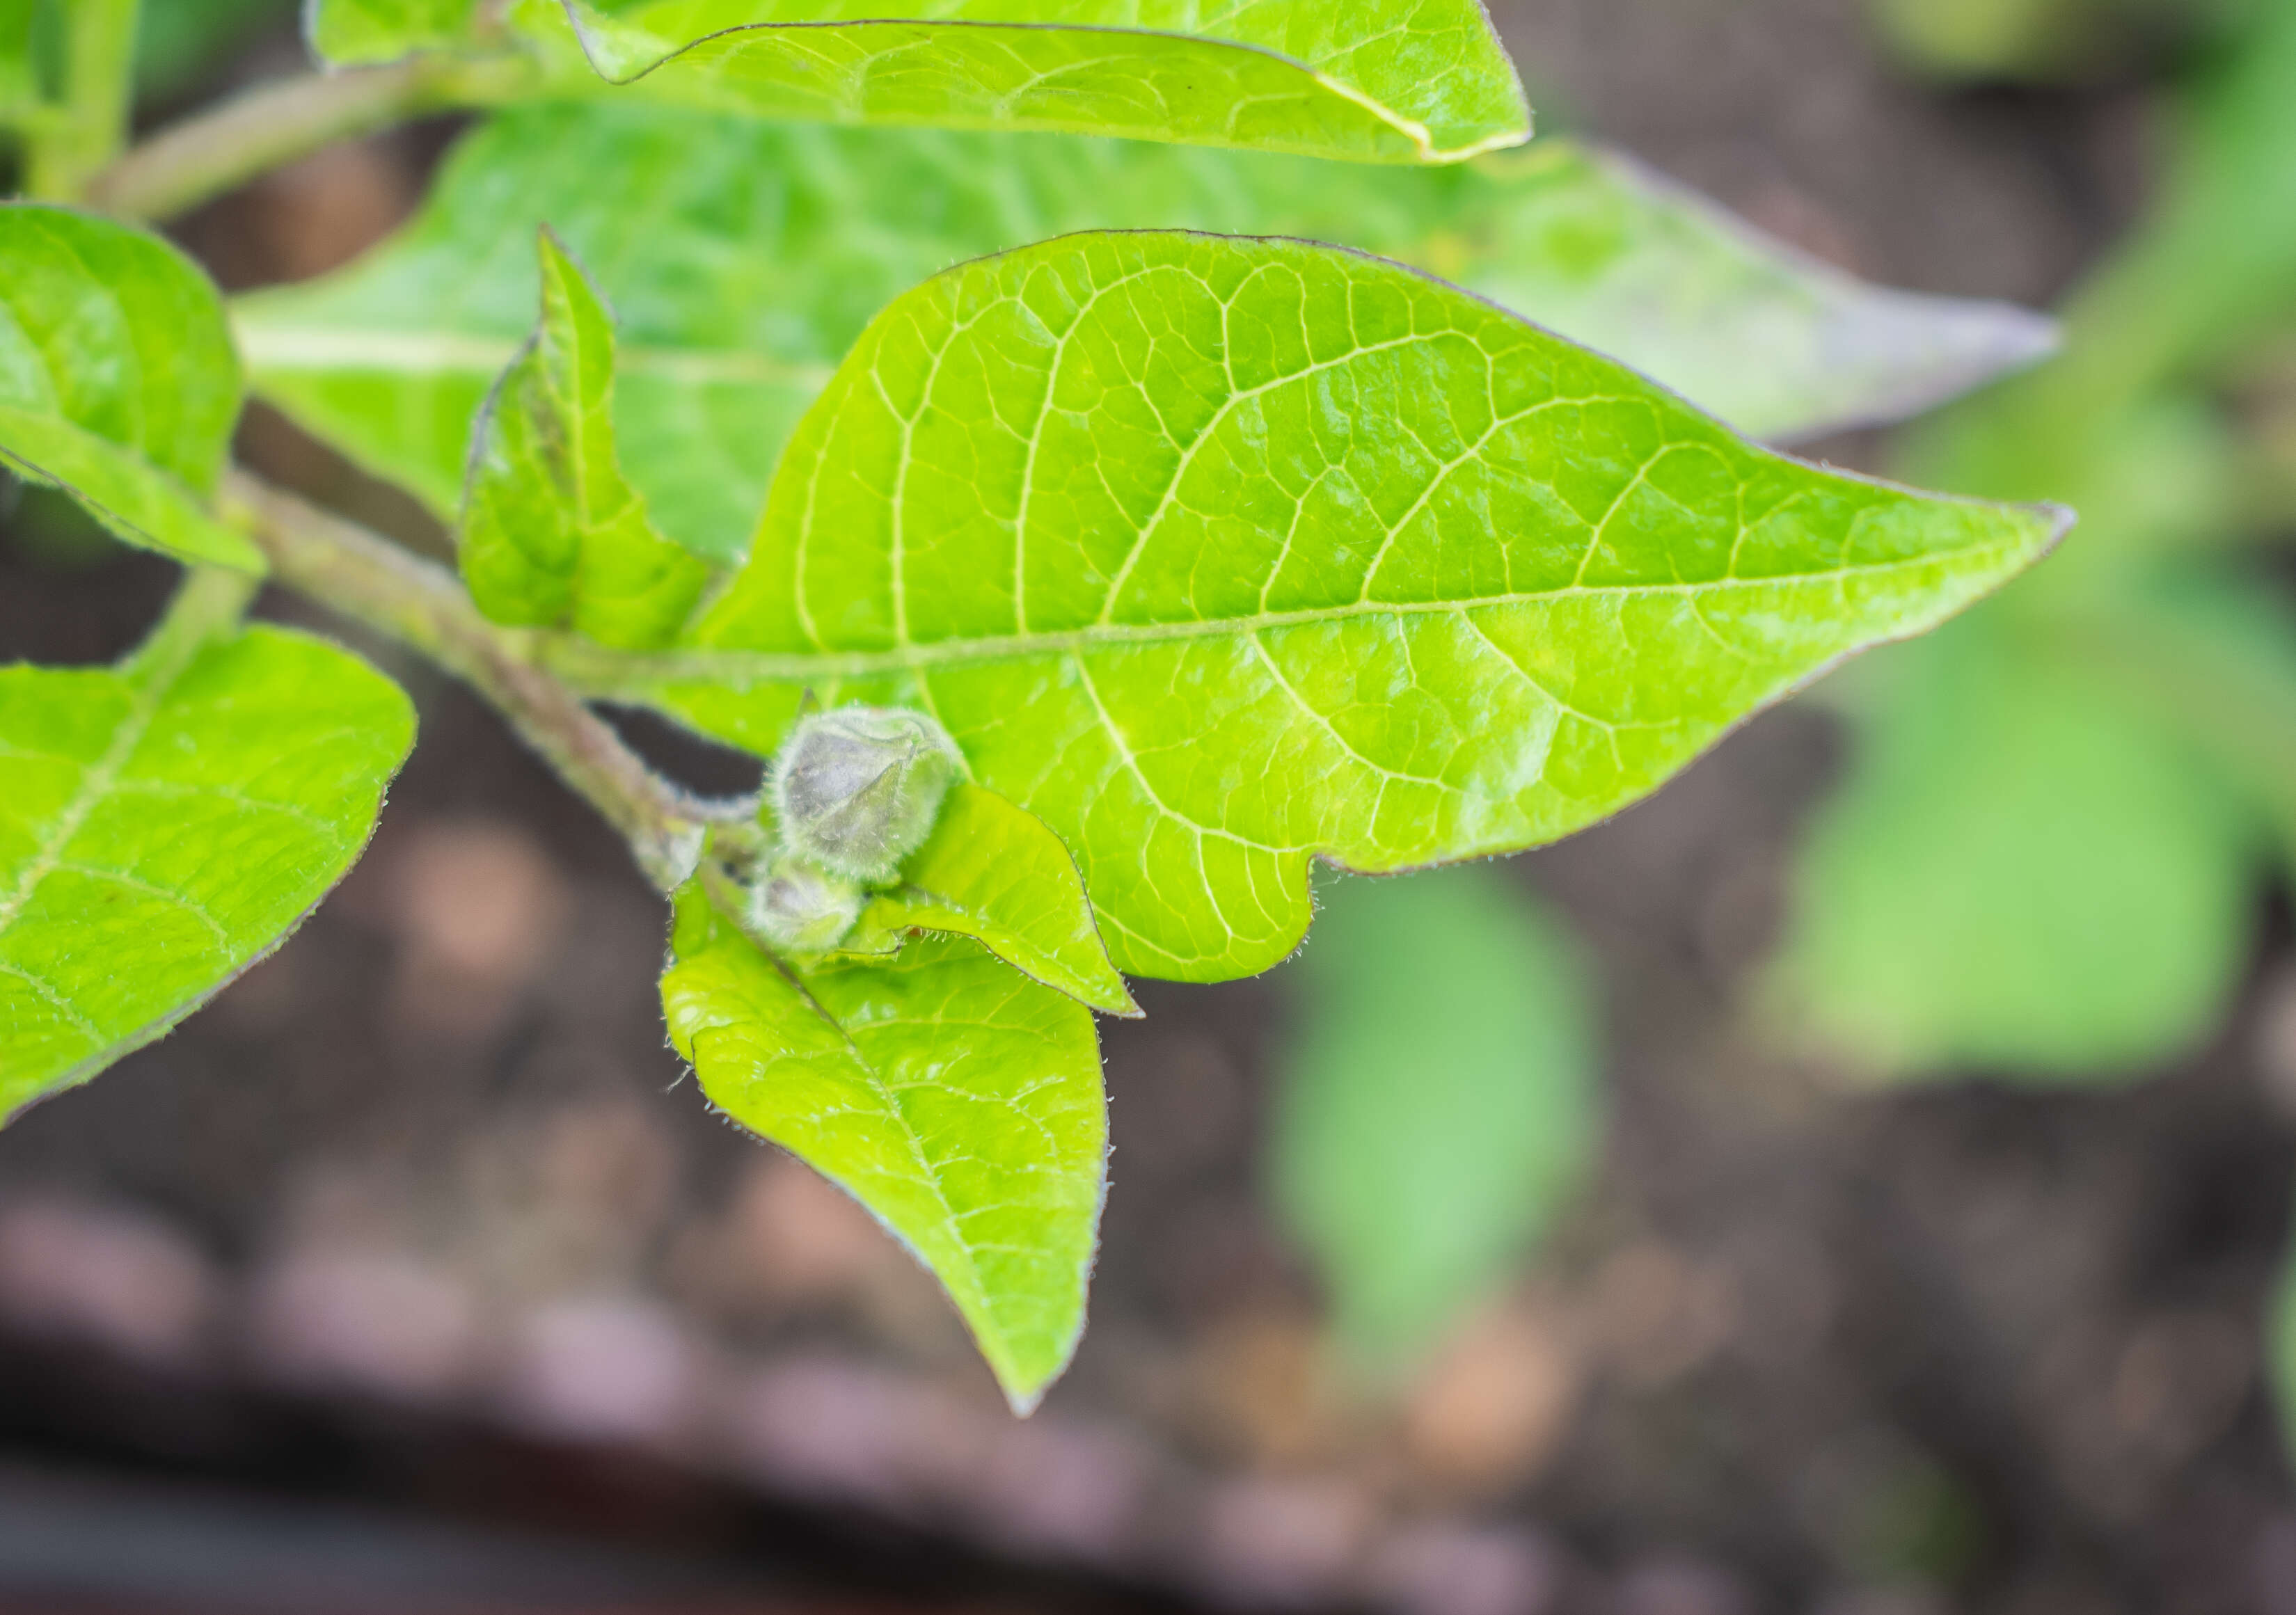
[
  {"x": 76, "y": 137},
  {"x": 382, "y": 586},
  {"x": 224, "y": 147}
]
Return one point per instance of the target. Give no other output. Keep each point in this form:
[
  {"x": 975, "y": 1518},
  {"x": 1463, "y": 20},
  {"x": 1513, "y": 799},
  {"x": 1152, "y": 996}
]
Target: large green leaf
[
  {"x": 998, "y": 875},
  {"x": 1373, "y": 80},
  {"x": 118, "y": 380},
  {"x": 956, "y": 1099},
  {"x": 166, "y": 822},
  {"x": 762, "y": 250},
  {"x": 1217, "y": 555},
  {"x": 2030, "y": 870},
  {"x": 553, "y": 535},
  {"x": 1438, "y": 1105},
  {"x": 353, "y": 32}
]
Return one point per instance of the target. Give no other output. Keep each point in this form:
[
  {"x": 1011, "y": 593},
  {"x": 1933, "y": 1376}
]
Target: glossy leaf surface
[
  {"x": 350, "y": 33},
  {"x": 117, "y": 379},
  {"x": 1219, "y": 555},
  {"x": 1438, "y": 1103},
  {"x": 2027, "y": 869},
  {"x": 553, "y": 535},
  {"x": 164, "y": 824},
  {"x": 956, "y": 1099},
  {"x": 763, "y": 250},
  {"x": 999, "y": 875},
  {"x": 1374, "y": 80}
]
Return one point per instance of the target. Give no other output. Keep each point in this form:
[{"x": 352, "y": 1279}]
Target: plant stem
[
  {"x": 374, "y": 582},
  {"x": 80, "y": 136},
  {"x": 217, "y": 150},
  {"x": 209, "y": 603}
]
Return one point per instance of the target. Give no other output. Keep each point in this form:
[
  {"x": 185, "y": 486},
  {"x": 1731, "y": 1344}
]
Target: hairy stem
[
  {"x": 225, "y": 146},
  {"x": 79, "y": 135},
  {"x": 209, "y": 603},
  {"x": 373, "y": 582}
]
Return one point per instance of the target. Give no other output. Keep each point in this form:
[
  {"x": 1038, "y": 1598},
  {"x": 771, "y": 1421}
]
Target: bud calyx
[{"x": 856, "y": 790}]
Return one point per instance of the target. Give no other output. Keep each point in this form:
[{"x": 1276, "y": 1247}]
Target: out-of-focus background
[{"x": 412, "y": 1275}]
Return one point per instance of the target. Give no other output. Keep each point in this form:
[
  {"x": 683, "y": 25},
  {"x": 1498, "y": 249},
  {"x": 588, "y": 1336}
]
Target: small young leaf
[
  {"x": 1437, "y": 1105},
  {"x": 956, "y": 1099},
  {"x": 118, "y": 380},
  {"x": 165, "y": 823},
  {"x": 1373, "y": 80},
  {"x": 553, "y": 535},
  {"x": 1217, "y": 555},
  {"x": 763, "y": 250},
  {"x": 999, "y": 875},
  {"x": 2029, "y": 870},
  {"x": 353, "y": 33}
]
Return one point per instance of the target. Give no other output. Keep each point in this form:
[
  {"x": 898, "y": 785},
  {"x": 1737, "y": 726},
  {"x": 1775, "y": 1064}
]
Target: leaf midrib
[
  {"x": 927, "y": 1173},
  {"x": 594, "y": 666}
]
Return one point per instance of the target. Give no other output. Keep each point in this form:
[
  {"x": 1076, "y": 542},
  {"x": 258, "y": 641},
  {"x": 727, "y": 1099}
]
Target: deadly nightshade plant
[{"x": 1083, "y": 595}]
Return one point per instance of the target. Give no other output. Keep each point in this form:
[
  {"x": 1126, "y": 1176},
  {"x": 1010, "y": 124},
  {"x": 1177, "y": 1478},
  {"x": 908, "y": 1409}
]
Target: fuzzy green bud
[
  {"x": 858, "y": 789},
  {"x": 799, "y": 909}
]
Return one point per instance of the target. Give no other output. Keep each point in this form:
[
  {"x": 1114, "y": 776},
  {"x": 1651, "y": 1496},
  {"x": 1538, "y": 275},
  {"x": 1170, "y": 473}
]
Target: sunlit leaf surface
[
  {"x": 762, "y": 250},
  {"x": 1001, "y": 876},
  {"x": 956, "y": 1099},
  {"x": 118, "y": 380},
  {"x": 1374, "y": 80},
  {"x": 1219, "y": 555},
  {"x": 165, "y": 823}
]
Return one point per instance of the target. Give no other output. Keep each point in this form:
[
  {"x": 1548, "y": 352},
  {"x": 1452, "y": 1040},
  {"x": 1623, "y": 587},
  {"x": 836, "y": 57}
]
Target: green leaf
[
  {"x": 178, "y": 42},
  {"x": 1374, "y": 80},
  {"x": 2027, "y": 872},
  {"x": 1219, "y": 554},
  {"x": 2214, "y": 653},
  {"x": 762, "y": 251},
  {"x": 2049, "y": 41},
  {"x": 350, "y": 33},
  {"x": 118, "y": 380},
  {"x": 553, "y": 535},
  {"x": 1438, "y": 1105},
  {"x": 957, "y": 1100},
  {"x": 999, "y": 875},
  {"x": 165, "y": 823}
]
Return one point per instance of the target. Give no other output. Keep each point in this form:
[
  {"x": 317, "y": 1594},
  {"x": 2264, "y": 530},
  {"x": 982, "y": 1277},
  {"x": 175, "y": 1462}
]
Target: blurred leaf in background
[
  {"x": 2044, "y": 858},
  {"x": 2049, "y": 41},
  {"x": 180, "y": 42},
  {"x": 1438, "y": 1107}
]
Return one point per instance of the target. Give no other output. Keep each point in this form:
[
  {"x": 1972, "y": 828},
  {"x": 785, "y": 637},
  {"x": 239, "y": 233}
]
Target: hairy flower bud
[
  {"x": 856, "y": 789},
  {"x": 799, "y": 909}
]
